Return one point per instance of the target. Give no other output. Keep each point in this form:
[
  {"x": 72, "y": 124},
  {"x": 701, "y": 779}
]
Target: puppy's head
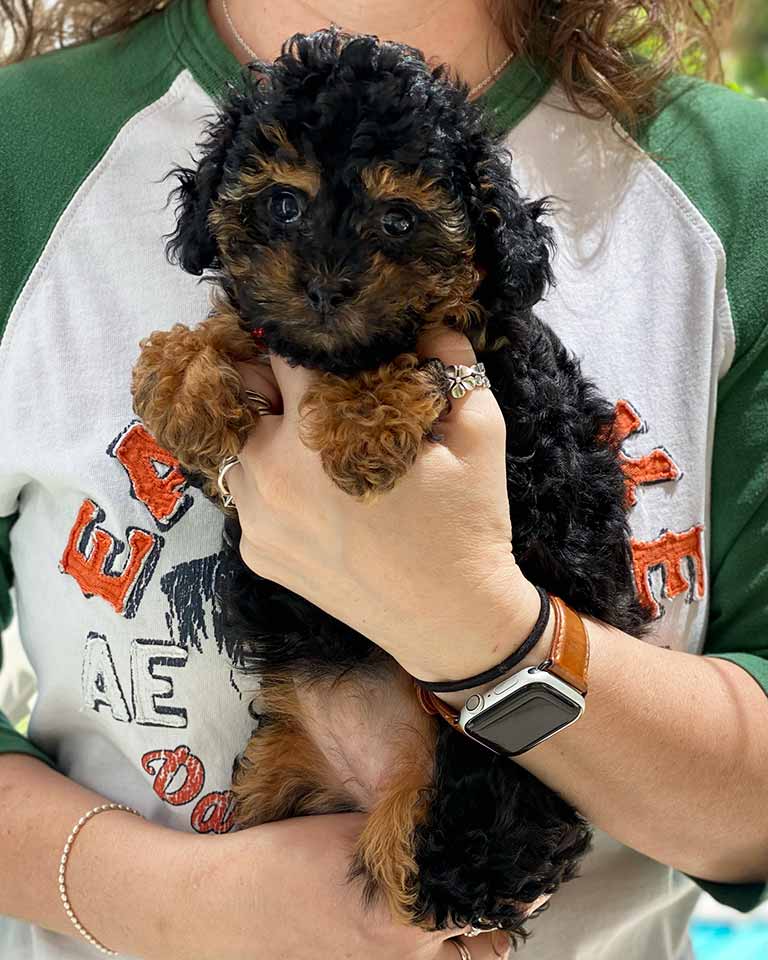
[{"x": 348, "y": 196}]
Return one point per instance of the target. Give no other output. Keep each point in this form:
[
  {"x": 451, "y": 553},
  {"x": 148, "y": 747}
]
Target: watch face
[{"x": 520, "y": 722}]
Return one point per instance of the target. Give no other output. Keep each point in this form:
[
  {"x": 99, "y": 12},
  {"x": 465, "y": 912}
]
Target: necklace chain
[
  {"x": 252, "y": 53},
  {"x": 236, "y": 33}
]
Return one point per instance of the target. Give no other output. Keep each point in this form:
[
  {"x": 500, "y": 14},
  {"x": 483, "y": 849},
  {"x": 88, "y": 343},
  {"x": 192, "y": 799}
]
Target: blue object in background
[{"x": 720, "y": 941}]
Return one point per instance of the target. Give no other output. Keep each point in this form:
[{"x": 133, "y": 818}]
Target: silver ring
[
  {"x": 462, "y": 948},
  {"x": 462, "y": 379},
  {"x": 263, "y": 404},
  {"x": 226, "y": 497}
]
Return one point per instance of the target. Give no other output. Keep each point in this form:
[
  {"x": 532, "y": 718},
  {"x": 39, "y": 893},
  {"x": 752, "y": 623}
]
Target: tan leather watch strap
[
  {"x": 431, "y": 703},
  {"x": 568, "y": 659},
  {"x": 569, "y": 654}
]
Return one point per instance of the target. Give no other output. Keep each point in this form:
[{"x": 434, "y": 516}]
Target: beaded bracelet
[{"x": 63, "y": 871}]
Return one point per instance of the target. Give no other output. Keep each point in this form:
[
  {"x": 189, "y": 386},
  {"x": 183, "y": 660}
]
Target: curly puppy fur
[
  {"x": 368, "y": 429},
  {"x": 347, "y": 198},
  {"x": 189, "y": 394}
]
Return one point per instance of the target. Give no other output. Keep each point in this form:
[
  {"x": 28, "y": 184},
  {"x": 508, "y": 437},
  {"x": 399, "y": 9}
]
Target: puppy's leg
[
  {"x": 369, "y": 428},
  {"x": 189, "y": 394},
  {"x": 385, "y": 853}
]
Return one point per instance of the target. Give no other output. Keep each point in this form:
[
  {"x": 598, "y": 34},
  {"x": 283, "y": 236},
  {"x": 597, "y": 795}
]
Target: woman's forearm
[
  {"x": 112, "y": 875},
  {"x": 669, "y": 756},
  {"x": 280, "y": 889}
]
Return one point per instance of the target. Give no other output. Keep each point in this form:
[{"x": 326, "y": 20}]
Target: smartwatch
[
  {"x": 533, "y": 704},
  {"x": 526, "y": 709}
]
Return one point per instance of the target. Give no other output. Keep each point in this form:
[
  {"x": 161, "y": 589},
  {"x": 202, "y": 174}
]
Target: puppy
[{"x": 348, "y": 198}]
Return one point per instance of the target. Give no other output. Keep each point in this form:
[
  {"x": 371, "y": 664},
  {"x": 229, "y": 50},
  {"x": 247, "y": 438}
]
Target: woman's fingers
[
  {"x": 240, "y": 479},
  {"x": 292, "y": 382},
  {"x": 450, "y": 345},
  {"x": 453, "y": 348},
  {"x": 474, "y": 418},
  {"x": 285, "y": 385}
]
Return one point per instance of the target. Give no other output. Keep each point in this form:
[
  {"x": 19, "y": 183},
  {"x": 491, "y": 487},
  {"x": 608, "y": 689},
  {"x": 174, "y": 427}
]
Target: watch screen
[{"x": 520, "y": 722}]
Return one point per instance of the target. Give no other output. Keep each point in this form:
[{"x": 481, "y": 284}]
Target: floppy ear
[
  {"x": 514, "y": 247},
  {"x": 192, "y": 244}
]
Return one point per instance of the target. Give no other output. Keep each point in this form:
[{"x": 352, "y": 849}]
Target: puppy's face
[
  {"x": 349, "y": 198},
  {"x": 342, "y": 268}
]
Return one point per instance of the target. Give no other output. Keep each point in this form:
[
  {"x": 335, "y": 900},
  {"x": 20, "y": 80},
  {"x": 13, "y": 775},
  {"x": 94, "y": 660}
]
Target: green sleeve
[
  {"x": 11, "y": 741},
  {"x": 738, "y": 624},
  {"x": 713, "y": 143}
]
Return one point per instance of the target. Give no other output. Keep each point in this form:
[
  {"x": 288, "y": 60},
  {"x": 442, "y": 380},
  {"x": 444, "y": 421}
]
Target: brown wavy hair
[{"x": 610, "y": 56}]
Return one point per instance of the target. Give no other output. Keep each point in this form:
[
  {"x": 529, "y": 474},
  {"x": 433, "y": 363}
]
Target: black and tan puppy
[{"x": 349, "y": 197}]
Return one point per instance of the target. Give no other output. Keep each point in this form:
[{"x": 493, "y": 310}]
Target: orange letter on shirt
[
  {"x": 90, "y": 555},
  {"x": 668, "y": 552},
  {"x": 214, "y": 813},
  {"x": 169, "y": 763},
  {"x": 162, "y": 492},
  {"x": 654, "y": 467}
]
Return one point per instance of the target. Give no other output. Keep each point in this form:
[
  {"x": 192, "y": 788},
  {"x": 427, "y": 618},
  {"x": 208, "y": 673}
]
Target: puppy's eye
[
  {"x": 397, "y": 222},
  {"x": 285, "y": 206}
]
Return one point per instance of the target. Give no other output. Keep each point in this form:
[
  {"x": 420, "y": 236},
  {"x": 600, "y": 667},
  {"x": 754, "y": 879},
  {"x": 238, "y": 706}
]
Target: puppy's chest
[{"x": 369, "y": 731}]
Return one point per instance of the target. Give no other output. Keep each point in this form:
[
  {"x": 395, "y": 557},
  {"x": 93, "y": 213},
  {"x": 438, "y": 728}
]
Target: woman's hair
[{"x": 609, "y": 55}]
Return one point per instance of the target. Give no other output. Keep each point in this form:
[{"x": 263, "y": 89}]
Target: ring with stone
[{"x": 462, "y": 379}]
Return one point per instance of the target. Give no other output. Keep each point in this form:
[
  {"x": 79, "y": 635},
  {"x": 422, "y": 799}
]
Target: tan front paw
[
  {"x": 369, "y": 429},
  {"x": 190, "y": 397}
]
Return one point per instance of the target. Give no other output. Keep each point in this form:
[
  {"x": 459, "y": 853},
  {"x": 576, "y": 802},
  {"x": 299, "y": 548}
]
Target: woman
[{"x": 661, "y": 291}]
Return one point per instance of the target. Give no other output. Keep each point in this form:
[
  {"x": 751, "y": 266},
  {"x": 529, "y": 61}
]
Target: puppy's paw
[
  {"x": 190, "y": 397},
  {"x": 368, "y": 429}
]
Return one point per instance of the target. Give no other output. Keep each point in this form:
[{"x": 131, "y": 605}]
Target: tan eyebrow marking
[
  {"x": 274, "y": 170},
  {"x": 256, "y": 177},
  {"x": 285, "y": 167},
  {"x": 382, "y": 182}
]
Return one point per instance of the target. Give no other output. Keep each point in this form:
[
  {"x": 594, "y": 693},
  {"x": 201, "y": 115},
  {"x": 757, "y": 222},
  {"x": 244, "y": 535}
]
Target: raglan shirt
[{"x": 662, "y": 293}]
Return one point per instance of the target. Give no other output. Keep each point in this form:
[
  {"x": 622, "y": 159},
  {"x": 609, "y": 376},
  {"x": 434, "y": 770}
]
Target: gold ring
[
  {"x": 462, "y": 948},
  {"x": 226, "y": 497}
]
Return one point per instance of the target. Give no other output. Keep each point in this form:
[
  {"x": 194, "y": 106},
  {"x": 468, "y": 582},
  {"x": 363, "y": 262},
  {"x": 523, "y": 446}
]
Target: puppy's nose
[{"x": 326, "y": 295}]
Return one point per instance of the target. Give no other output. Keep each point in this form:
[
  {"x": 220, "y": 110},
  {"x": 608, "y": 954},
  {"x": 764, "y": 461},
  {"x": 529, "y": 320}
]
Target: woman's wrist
[
  {"x": 501, "y": 627},
  {"x": 127, "y": 880}
]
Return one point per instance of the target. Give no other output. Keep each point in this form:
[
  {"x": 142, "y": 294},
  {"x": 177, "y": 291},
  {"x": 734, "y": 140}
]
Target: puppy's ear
[
  {"x": 192, "y": 244},
  {"x": 514, "y": 247}
]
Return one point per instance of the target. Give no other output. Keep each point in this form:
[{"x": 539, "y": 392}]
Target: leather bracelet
[{"x": 452, "y": 686}]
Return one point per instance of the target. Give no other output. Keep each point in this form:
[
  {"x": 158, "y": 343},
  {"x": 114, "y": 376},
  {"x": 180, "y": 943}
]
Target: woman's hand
[
  {"x": 281, "y": 889},
  {"x": 427, "y": 571}
]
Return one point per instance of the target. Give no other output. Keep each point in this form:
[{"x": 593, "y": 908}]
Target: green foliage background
[{"x": 745, "y": 59}]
